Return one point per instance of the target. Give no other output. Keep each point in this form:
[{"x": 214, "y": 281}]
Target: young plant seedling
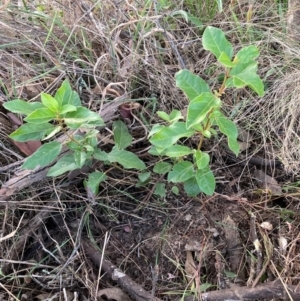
[
  {"x": 64, "y": 113},
  {"x": 204, "y": 115}
]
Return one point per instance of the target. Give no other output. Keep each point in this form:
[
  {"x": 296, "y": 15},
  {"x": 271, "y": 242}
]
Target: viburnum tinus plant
[
  {"x": 191, "y": 166},
  {"x": 64, "y": 114}
]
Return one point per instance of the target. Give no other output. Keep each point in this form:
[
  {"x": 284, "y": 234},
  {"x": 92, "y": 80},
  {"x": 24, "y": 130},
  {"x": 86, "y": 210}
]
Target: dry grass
[{"x": 135, "y": 48}]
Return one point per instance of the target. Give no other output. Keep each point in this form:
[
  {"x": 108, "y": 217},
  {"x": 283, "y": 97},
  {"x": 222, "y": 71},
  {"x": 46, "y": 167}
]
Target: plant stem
[
  {"x": 206, "y": 127},
  {"x": 222, "y": 88}
]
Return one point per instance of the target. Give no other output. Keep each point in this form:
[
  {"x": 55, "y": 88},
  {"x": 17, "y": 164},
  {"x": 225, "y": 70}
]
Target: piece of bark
[
  {"x": 234, "y": 247},
  {"x": 131, "y": 288},
  {"x": 266, "y": 291}
]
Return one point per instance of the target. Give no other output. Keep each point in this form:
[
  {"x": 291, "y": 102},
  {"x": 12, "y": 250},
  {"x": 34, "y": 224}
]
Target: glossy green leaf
[
  {"x": 50, "y": 102},
  {"x": 22, "y": 107},
  {"x": 206, "y": 180},
  {"x": 29, "y": 131},
  {"x": 201, "y": 159},
  {"x": 83, "y": 116},
  {"x": 175, "y": 116},
  {"x": 176, "y": 151},
  {"x": 94, "y": 180},
  {"x": 181, "y": 172},
  {"x": 43, "y": 156},
  {"x": 162, "y": 168},
  {"x": 191, "y": 187},
  {"x": 52, "y": 132},
  {"x": 225, "y": 60},
  {"x": 66, "y": 96},
  {"x": 39, "y": 116},
  {"x": 244, "y": 74},
  {"x": 125, "y": 158},
  {"x": 169, "y": 135},
  {"x": 121, "y": 134},
  {"x": 200, "y": 107},
  {"x": 192, "y": 85},
  {"x": 66, "y": 109},
  {"x": 80, "y": 158},
  {"x": 64, "y": 164},
  {"x": 214, "y": 40}
]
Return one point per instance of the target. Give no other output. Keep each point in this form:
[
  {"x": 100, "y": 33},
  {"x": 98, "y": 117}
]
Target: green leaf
[
  {"x": 200, "y": 107},
  {"x": 201, "y": 159},
  {"x": 225, "y": 60},
  {"x": 127, "y": 159},
  {"x": 29, "y": 131},
  {"x": 66, "y": 163},
  {"x": 66, "y": 109},
  {"x": 22, "y": 107},
  {"x": 156, "y": 128},
  {"x": 175, "y": 116},
  {"x": 192, "y": 85},
  {"x": 244, "y": 74},
  {"x": 66, "y": 96},
  {"x": 191, "y": 187},
  {"x": 181, "y": 172},
  {"x": 162, "y": 168},
  {"x": 175, "y": 190},
  {"x": 121, "y": 134},
  {"x": 207, "y": 133},
  {"x": 227, "y": 127},
  {"x": 234, "y": 146},
  {"x": 83, "y": 117},
  {"x": 144, "y": 176},
  {"x": 39, "y": 116},
  {"x": 50, "y": 102},
  {"x": 246, "y": 54},
  {"x": 220, "y": 9},
  {"x": 163, "y": 115},
  {"x": 176, "y": 151},
  {"x": 167, "y": 136},
  {"x": 80, "y": 158},
  {"x": 43, "y": 156},
  {"x": 205, "y": 286},
  {"x": 76, "y": 143},
  {"x": 214, "y": 40},
  {"x": 53, "y": 131},
  {"x": 95, "y": 178},
  {"x": 188, "y": 17},
  {"x": 100, "y": 155},
  {"x": 206, "y": 180},
  {"x": 160, "y": 189},
  {"x": 156, "y": 151}
]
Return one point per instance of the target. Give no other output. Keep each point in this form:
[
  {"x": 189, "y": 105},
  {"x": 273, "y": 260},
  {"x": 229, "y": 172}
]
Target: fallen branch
[
  {"x": 134, "y": 290},
  {"x": 266, "y": 291}
]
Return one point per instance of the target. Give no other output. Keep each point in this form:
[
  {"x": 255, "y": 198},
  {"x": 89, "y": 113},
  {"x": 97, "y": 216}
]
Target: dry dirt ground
[{"x": 58, "y": 243}]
